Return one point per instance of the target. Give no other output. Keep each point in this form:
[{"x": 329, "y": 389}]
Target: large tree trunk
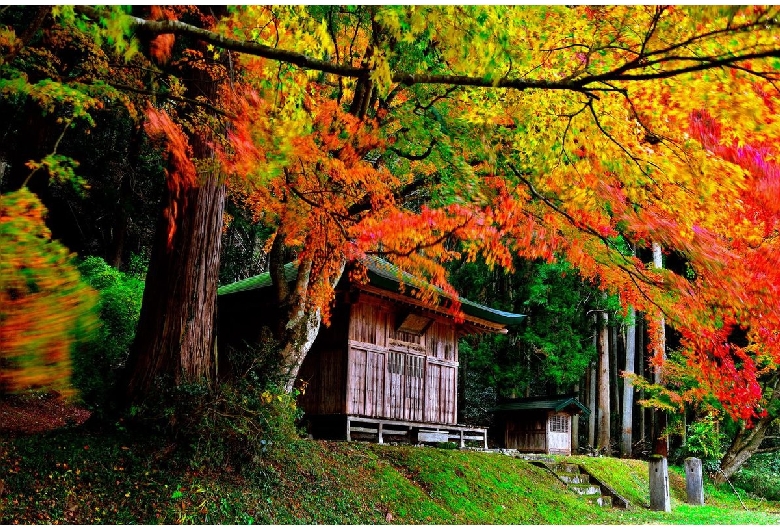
[
  {"x": 176, "y": 338},
  {"x": 603, "y": 440},
  {"x": 628, "y": 388},
  {"x": 176, "y": 333}
]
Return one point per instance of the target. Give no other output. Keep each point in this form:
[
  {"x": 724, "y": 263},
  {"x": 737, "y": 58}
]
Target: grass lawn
[{"x": 80, "y": 477}]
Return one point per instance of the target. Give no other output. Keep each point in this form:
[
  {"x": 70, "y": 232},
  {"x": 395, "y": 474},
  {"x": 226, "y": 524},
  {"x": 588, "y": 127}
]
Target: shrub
[
  {"x": 250, "y": 416},
  {"x": 705, "y": 441},
  {"x": 97, "y": 363},
  {"x": 760, "y": 476},
  {"x": 234, "y": 423},
  {"x": 45, "y": 307}
]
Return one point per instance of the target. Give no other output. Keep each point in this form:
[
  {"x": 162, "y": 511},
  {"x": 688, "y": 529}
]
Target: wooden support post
[
  {"x": 379, "y": 433},
  {"x": 659, "y": 484},
  {"x": 693, "y": 481},
  {"x": 349, "y": 430},
  {"x": 462, "y": 440}
]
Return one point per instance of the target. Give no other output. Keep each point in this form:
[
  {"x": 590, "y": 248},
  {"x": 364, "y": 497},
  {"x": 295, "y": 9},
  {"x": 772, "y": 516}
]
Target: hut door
[
  {"x": 405, "y": 392},
  {"x": 559, "y": 434}
]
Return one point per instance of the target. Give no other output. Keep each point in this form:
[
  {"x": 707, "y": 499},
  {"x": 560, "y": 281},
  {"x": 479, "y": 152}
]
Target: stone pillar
[
  {"x": 693, "y": 481},
  {"x": 659, "y": 484}
]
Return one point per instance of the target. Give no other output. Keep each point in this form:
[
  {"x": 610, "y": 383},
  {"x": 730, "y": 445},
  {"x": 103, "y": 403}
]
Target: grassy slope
[{"x": 74, "y": 477}]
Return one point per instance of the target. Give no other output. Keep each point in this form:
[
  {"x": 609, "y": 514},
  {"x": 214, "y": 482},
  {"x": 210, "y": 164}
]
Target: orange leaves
[
  {"x": 44, "y": 306},
  {"x": 161, "y": 46},
  {"x": 180, "y": 171}
]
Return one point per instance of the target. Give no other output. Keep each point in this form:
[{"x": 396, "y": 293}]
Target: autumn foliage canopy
[{"x": 433, "y": 133}]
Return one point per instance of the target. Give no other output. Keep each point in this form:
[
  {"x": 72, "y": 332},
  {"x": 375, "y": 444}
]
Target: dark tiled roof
[
  {"x": 384, "y": 275},
  {"x": 556, "y": 403}
]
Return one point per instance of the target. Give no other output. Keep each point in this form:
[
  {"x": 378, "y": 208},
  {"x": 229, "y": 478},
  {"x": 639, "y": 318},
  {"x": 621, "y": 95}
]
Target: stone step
[
  {"x": 605, "y": 501},
  {"x": 567, "y": 468},
  {"x": 574, "y": 478},
  {"x": 581, "y": 489}
]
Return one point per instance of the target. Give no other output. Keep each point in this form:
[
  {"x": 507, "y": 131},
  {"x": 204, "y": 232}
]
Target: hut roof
[
  {"x": 386, "y": 276},
  {"x": 557, "y": 403}
]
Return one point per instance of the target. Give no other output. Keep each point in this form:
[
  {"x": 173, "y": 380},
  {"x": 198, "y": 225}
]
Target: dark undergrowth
[{"x": 77, "y": 476}]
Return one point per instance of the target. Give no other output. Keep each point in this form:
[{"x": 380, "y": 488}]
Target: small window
[
  {"x": 414, "y": 324},
  {"x": 559, "y": 423},
  {"x": 395, "y": 363},
  {"x": 414, "y": 366},
  {"x": 408, "y": 365}
]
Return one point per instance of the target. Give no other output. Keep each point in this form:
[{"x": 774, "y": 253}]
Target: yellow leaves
[{"x": 381, "y": 74}]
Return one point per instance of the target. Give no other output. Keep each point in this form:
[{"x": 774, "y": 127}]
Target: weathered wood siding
[
  {"x": 325, "y": 369},
  {"x": 400, "y": 375},
  {"x": 526, "y": 432}
]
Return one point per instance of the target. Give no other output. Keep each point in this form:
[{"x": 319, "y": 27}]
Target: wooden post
[
  {"x": 659, "y": 484},
  {"x": 575, "y": 425},
  {"x": 379, "y": 433},
  {"x": 693, "y": 481}
]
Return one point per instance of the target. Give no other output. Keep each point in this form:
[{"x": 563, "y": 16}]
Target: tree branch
[{"x": 583, "y": 84}]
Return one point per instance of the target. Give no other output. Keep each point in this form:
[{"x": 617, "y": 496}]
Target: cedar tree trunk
[
  {"x": 176, "y": 338},
  {"x": 628, "y": 388},
  {"x": 602, "y": 442}
]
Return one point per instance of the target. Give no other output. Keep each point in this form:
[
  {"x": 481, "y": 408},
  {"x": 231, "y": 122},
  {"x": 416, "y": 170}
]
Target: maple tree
[{"x": 428, "y": 133}]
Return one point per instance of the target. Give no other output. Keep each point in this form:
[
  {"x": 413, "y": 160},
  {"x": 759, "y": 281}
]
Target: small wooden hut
[
  {"x": 386, "y": 369},
  {"x": 539, "y": 424}
]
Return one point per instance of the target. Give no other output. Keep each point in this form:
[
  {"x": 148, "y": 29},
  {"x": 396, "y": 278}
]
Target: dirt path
[{"x": 38, "y": 413}]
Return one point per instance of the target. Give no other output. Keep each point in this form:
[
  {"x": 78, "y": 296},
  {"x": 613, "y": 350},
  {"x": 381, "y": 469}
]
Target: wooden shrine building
[
  {"x": 386, "y": 369},
  {"x": 538, "y": 425}
]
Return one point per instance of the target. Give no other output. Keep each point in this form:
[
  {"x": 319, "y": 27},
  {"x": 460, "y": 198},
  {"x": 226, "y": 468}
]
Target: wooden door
[
  {"x": 405, "y": 392},
  {"x": 366, "y": 389}
]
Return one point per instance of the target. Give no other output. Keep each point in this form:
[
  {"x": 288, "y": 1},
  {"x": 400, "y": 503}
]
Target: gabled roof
[
  {"x": 557, "y": 403},
  {"x": 383, "y": 275}
]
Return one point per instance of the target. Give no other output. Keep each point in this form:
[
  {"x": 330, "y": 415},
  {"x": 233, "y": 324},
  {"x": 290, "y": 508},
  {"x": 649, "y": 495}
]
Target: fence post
[
  {"x": 659, "y": 484},
  {"x": 693, "y": 481}
]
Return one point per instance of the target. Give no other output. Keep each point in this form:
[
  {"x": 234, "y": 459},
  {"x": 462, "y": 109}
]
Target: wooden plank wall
[
  {"x": 400, "y": 375},
  {"x": 526, "y": 431},
  {"x": 325, "y": 369}
]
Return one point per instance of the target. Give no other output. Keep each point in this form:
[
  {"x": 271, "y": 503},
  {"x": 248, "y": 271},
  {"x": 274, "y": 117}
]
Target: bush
[
  {"x": 45, "y": 307},
  {"x": 96, "y": 364},
  {"x": 705, "y": 441},
  {"x": 250, "y": 416},
  {"x": 238, "y": 422},
  {"x": 760, "y": 476}
]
